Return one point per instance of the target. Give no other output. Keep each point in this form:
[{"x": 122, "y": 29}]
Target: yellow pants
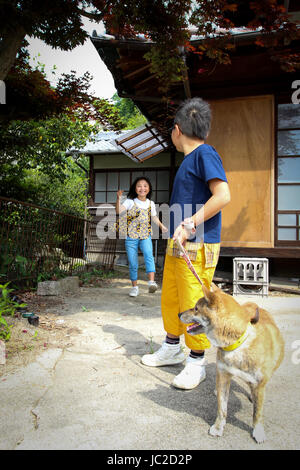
[{"x": 180, "y": 292}]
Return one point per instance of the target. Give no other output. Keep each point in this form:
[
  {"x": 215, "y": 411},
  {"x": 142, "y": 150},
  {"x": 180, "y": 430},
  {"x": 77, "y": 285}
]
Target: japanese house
[{"x": 256, "y": 130}]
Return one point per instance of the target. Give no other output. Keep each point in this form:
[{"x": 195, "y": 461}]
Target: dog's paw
[
  {"x": 259, "y": 434},
  {"x": 215, "y": 431}
]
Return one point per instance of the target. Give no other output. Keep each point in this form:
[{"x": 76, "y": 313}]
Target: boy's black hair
[
  {"x": 132, "y": 192},
  {"x": 193, "y": 118}
]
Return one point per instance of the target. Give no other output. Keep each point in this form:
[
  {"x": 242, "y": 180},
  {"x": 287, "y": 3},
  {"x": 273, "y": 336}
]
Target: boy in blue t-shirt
[{"x": 200, "y": 192}]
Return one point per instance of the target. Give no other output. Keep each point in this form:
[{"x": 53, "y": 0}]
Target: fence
[{"x": 37, "y": 243}]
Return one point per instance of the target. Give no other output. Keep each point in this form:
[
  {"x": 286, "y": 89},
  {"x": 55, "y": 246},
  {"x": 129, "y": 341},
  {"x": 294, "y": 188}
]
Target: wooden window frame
[
  {"x": 287, "y": 243},
  {"x": 130, "y": 171}
]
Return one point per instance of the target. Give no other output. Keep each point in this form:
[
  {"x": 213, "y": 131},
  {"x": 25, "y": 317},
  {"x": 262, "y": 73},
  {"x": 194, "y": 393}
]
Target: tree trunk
[{"x": 9, "y": 47}]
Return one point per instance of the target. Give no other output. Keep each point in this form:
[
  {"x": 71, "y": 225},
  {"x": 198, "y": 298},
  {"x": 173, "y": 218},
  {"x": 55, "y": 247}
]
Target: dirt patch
[{"x": 27, "y": 341}]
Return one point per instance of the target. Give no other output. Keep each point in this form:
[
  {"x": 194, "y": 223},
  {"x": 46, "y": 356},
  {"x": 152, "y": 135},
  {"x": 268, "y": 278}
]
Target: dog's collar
[{"x": 240, "y": 341}]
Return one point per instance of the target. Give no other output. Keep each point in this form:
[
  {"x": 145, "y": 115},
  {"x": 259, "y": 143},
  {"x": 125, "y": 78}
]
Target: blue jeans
[{"x": 132, "y": 246}]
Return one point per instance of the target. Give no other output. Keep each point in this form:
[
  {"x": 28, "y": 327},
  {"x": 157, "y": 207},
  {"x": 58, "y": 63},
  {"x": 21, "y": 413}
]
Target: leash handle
[{"x": 188, "y": 261}]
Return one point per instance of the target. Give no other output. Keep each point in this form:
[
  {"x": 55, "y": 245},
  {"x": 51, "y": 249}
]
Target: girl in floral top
[{"x": 140, "y": 210}]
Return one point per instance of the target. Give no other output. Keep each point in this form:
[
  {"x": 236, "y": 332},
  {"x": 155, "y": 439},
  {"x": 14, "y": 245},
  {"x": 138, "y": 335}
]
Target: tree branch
[
  {"x": 92, "y": 16},
  {"x": 9, "y": 47}
]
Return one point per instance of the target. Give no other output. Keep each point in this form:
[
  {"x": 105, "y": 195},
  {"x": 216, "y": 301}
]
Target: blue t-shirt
[{"x": 191, "y": 191}]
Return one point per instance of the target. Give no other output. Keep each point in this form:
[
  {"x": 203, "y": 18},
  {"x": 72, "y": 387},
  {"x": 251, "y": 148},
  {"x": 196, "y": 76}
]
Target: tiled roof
[
  {"x": 138, "y": 144},
  {"x": 102, "y": 144}
]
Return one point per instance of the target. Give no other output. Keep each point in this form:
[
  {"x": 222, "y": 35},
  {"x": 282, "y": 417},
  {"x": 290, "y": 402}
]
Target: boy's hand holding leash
[{"x": 184, "y": 231}]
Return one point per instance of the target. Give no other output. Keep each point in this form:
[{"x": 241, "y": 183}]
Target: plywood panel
[{"x": 243, "y": 134}]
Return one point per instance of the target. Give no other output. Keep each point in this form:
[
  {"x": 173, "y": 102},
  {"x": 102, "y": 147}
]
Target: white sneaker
[
  {"x": 191, "y": 375},
  {"x": 167, "y": 354},
  {"x": 134, "y": 292},
  {"x": 152, "y": 287}
]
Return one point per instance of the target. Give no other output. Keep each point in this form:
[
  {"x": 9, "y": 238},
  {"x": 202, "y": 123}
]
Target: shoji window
[
  {"x": 108, "y": 182},
  {"x": 288, "y": 175}
]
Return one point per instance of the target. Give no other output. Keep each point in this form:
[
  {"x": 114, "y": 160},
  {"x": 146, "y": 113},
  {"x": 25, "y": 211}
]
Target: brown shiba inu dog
[{"x": 249, "y": 344}]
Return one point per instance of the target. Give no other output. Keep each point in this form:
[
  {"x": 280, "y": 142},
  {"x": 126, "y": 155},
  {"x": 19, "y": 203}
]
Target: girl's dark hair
[
  {"x": 132, "y": 192},
  {"x": 194, "y": 118}
]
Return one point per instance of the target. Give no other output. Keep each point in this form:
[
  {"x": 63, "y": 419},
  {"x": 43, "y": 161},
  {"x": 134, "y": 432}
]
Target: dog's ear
[
  {"x": 256, "y": 316},
  {"x": 252, "y": 312},
  {"x": 215, "y": 288},
  {"x": 205, "y": 292}
]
